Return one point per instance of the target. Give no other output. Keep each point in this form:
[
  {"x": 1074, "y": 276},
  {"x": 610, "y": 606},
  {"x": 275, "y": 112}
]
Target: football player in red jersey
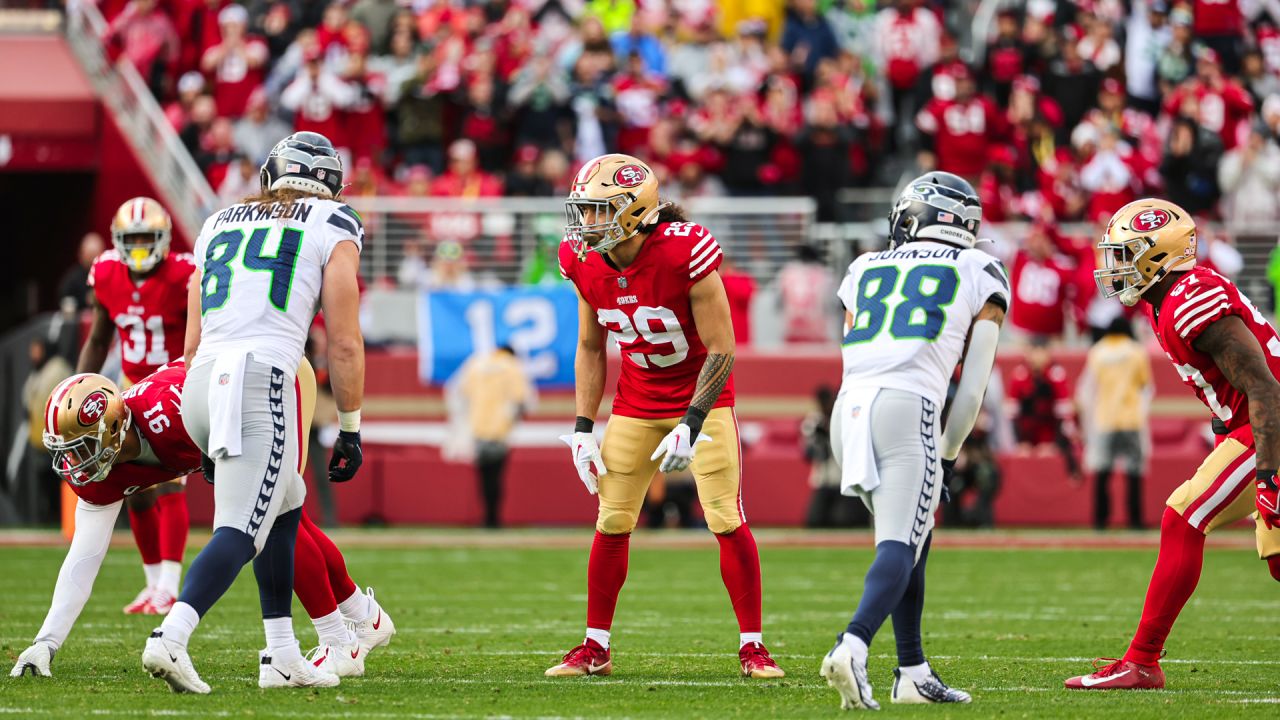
[
  {"x": 1227, "y": 352},
  {"x": 140, "y": 292},
  {"x": 109, "y": 446},
  {"x": 648, "y": 276}
]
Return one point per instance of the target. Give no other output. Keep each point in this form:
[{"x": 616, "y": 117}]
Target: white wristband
[{"x": 349, "y": 421}]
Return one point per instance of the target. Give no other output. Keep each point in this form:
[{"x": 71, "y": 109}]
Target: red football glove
[{"x": 1268, "y": 500}]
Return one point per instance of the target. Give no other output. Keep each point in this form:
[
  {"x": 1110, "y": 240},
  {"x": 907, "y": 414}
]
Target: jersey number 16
[
  {"x": 926, "y": 291},
  {"x": 215, "y": 286}
]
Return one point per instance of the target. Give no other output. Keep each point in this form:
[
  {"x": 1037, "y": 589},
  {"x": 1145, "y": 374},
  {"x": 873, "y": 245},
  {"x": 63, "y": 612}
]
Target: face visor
[{"x": 83, "y": 460}]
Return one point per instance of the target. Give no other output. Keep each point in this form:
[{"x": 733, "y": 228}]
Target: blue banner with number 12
[{"x": 539, "y": 323}]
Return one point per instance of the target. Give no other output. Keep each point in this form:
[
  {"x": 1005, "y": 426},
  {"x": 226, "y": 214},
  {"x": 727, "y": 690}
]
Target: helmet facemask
[
  {"x": 88, "y": 458},
  {"x": 141, "y": 251},
  {"x": 1120, "y": 275},
  {"x": 593, "y": 224}
]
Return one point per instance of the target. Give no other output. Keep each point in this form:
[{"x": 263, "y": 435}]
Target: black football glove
[
  {"x": 206, "y": 466},
  {"x": 347, "y": 456},
  {"x": 948, "y": 472}
]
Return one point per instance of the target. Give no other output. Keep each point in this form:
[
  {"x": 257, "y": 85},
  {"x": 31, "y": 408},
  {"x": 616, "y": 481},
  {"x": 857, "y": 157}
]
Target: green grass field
[{"x": 480, "y": 620}]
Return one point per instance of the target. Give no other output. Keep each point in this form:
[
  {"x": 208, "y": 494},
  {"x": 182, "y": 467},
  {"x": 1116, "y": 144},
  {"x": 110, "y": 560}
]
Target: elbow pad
[{"x": 978, "y": 362}]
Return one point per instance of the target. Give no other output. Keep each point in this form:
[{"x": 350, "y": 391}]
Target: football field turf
[{"x": 480, "y": 616}]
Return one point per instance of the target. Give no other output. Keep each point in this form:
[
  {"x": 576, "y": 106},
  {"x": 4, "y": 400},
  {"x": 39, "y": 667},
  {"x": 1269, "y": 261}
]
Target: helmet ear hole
[{"x": 1159, "y": 257}]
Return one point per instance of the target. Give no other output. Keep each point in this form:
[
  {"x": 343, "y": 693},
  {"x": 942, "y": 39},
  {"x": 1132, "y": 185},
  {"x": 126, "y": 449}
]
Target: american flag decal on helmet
[
  {"x": 946, "y": 217},
  {"x": 292, "y": 167}
]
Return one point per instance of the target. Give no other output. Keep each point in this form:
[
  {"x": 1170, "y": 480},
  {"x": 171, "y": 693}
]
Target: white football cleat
[
  {"x": 38, "y": 658},
  {"x": 376, "y": 629},
  {"x": 909, "y": 692},
  {"x": 299, "y": 673},
  {"x": 170, "y": 662},
  {"x": 846, "y": 670},
  {"x": 345, "y": 660}
]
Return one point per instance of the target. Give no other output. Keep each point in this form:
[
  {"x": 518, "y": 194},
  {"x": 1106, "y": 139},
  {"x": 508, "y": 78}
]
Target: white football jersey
[
  {"x": 912, "y": 308},
  {"x": 261, "y": 266}
]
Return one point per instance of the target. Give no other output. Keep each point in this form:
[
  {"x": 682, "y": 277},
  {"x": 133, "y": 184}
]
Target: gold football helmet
[
  {"x": 140, "y": 231},
  {"x": 1145, "y": 241},
  {"x": 85, "y": 422},
  {"x": 611, "y": 197}
]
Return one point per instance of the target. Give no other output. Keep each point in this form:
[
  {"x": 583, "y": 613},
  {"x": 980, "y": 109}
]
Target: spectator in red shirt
[
  {"x": 1042, "y": 283},
  {"x": 236, "y": 64},
  {"x": 178, "y": 112},
  {"x": 464, "y": 179},
  {"x": 148, "y": 40},
  {"x": 197, "y": 24},
  {"x": 1222, "y": 103},
  {"x": 637, "y": 97},
  {"x": 485, "y": 123},
  {"x": 907, "y": 39},
  {"x": 1004, "y": 56},
  {"x": 1220, "y": 25},
  {"x": 1108, "y": 177},
  {"x": 961, "y": 131},
  {"x": 740, "y": 287},
  {"x": 317, "y": 98},
  {"x": 218, "y": 151},
  {"x": 1039, "y": 389}
]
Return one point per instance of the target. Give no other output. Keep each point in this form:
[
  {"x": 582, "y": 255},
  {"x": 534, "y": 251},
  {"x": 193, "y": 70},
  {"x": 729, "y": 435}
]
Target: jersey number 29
[
  {"x": 926, "y": 291},
  {"x": 215, "y": 286},
  {"x": 625, "y": 331}
]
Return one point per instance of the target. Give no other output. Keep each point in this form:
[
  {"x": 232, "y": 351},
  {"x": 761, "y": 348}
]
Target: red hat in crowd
[{"x": 1112, "y": 85}]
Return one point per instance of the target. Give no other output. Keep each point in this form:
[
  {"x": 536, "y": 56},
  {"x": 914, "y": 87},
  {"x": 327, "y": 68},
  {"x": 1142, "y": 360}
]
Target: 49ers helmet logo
[
  {"x": 92, "y": 409},
  {"x": 1152, "y": 219},
  {"x": 629, "y": 176}
]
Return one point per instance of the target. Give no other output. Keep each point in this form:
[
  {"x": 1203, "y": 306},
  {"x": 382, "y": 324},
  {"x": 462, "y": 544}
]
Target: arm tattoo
[
  {"x": 711, "y": 381},
  {"x": 1242, "y": 361}
]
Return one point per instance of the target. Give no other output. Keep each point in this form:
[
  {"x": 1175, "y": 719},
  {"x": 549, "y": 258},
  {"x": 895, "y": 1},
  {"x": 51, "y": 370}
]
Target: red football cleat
[
  {"x": 140, "y": 604},
  {"x": 1119, "y": 675},
  {"x": 756, "y": 662},
  {"x": 589, "y": 658}
]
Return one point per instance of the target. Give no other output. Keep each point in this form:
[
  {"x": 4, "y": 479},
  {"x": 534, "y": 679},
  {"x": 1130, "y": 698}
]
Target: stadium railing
[{"x": 185, "y": 191}]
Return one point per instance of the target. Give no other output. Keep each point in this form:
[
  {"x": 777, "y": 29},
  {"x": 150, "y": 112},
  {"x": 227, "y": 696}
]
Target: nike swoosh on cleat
[
  {"x": 377, "y": 622},
  {"x": 355, "y": 654},
  {"x": 593, "y": 668},
  {"x": 1090, "y": 681},
  {"x": 173, "y": 658},
  {"x": 282, "y": 673}
]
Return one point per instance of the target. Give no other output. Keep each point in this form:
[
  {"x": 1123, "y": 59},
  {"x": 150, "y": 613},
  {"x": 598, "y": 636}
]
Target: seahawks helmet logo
[
  {"x": 629, "y": 176},
  {"x": 1149, "y": 220}
]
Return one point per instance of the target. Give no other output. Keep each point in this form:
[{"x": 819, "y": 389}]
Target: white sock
[
  {"x": 600, "y": 636},
  {"x": 180, "y": 623},
  {"x": 917, "y": 673},
  {"x": 170, "y": 576},
  {"x": 856, "y": 646},
  {"x": 745, "y": 638},
  {"x": 282, "y": 646},
  {"x": 152, "y": 573},
  {"x": 356, "y": 608},
  {"x": 330, "y": 629}
]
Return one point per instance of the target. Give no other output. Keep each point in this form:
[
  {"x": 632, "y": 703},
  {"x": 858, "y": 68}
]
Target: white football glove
[
  {"x": 586, "y": 453},
  {"x": 37, "y": 659},
  {"x": 679, "y": 452}
]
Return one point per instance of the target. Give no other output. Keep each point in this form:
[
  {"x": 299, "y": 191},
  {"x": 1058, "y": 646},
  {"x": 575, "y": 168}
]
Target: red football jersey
[
  {"x": 962, "y": 132},
  {"x": 1217, "y": 17},
  {"x": 1193, "y": 304},
  {"x": 646, "y": 309},
  {"x": 1040, "y": 293},
  {"x": 151, "y": 316},
  {"x": 156, "y": 406}
]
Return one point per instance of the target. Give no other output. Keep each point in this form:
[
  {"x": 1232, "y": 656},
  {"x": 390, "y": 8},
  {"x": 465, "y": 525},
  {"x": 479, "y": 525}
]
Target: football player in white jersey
[
  {"x": 264, "y": 267},
  {"x": 913, "y": 312}
]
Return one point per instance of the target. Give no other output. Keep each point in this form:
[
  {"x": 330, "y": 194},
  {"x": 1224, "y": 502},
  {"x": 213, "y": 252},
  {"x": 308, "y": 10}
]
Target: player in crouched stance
[
  {"x": 1227, "y": 352},
  {"x": 648, "y": 276},
  {"x": 109, "y": 445},
  {"x": 911, "y": 311}
]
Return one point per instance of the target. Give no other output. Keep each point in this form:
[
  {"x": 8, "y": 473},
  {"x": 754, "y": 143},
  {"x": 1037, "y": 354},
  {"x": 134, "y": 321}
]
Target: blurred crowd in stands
[{"x": 1068, "y": 109}]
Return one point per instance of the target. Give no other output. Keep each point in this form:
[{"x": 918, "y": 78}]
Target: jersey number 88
[{"x": 926, "y": 291}]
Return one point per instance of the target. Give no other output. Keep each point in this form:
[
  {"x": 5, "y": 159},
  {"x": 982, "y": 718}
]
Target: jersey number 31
[
  {"x": 215, "y": 286},
  {"x": 926, "y": 291}
]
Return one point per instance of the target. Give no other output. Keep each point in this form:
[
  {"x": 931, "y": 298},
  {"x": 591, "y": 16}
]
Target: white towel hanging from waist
[{"x": 226, "y": 397}]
